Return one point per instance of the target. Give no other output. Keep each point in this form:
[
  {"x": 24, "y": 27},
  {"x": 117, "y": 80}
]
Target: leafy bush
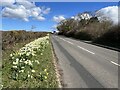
[
  {"x": 82, "y": 35},
  {"x": 97, "y": 29},
  {"x": 110, "y": 38},
  {"x": 70, "y": 33}
]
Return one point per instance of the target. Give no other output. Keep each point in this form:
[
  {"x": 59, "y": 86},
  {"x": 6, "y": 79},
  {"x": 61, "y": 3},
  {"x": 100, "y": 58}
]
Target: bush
[
  {"x": 97, "y": 29},
  {"x": 110, "y": 38},
  {"x": 60, "y": 33},
  {"x": 9, "y": 38},
  {"x": 70, "y": 33},
  {"x": 82, "y": 35}
]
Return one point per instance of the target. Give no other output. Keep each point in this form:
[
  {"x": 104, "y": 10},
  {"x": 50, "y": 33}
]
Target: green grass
[
  {"x": 6, "y": 63},
  {"x": 46, "y": 62}
]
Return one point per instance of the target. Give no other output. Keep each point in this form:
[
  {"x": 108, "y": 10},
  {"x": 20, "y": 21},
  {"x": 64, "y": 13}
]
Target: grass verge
[{"x": 46, "y": 64}]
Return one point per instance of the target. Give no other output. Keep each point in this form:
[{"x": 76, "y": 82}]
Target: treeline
[
  {"x": 12, "y": 37},
  {"x": 102, "y": 32}
]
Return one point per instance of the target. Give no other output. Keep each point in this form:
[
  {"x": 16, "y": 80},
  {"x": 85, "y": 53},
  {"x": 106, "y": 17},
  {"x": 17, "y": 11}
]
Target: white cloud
[
  {"x": 108, "y": 13},
  {"x": 40, "y": 18},
  {"x": 72, "y": 17},
  {"x": 24, "y": 9},
  {"x": 58, "y": 18},
  {"x": 6, "y": 2},
  {"x": 25, "y": 3},
  {"x": 35, "y": 11},
  {"x": 46, "y": 11},
  {"x": 25, "y": 19},
  {"x": 20, "y": 12}
]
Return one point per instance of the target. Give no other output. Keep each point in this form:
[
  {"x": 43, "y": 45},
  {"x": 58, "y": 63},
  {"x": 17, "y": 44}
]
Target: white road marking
[
  {"x": 85, "y": 50},
  {"x": 66, "y": 41},
  {"x": 70, "y": 42},
  {"x": 78, "y": 46},
  {"x": 114, "y": 63}
]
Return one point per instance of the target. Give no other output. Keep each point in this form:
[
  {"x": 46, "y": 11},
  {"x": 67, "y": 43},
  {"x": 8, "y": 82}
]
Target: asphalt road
[{"x": 85, "y": 65}]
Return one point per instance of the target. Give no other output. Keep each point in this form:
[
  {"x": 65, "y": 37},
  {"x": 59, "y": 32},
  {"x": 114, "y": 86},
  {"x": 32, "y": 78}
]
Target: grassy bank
[{"x": 35, "y": 70}]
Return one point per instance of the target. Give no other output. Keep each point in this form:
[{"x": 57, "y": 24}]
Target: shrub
[
  {"x": 9, "y": 38},
  {"x": 111, "y": 37},
  {"x": 82, "y": 35},
  {"x": 97, "y": 29},
  {"x": 70, "y": 33}
]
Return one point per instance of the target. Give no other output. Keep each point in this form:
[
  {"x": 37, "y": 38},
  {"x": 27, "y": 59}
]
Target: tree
[{"x": 33, "y": 27}]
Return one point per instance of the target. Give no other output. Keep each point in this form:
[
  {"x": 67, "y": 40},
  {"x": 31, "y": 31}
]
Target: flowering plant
[{"x": 23, "y": 61}]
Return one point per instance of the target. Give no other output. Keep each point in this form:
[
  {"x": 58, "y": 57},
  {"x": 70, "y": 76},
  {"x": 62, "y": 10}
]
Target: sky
[{"x": 43, "y": 15}]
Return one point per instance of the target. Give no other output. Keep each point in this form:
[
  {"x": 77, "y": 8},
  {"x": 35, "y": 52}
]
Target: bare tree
[{"x": 33, "y": 27}]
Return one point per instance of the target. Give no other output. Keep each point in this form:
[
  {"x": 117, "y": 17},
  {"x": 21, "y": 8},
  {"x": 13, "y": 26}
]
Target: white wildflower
[
  {"x": 31, "y": 76},
  {"x": 14, "y": 66},
  {"x": 33, "y": 71},
  {"x": 28, "y": 54},
  {"x": 1, "y": 86},
  {"x": 11, "y": 55},
  {"x": 21, "y": 61},
  {"x": 45, "y": 70},
  {"x": 14, "y": 63},
  {"x": 29, "y": 62},
  {"x": 17, "y": 60},
  {"x": 33, "y": 54},
  {"x": 21, "y": 71},
  {"x": 45, "y": 77},
  {"x": 26, "y": 62},
  {"x": 22, "y": 67},
  {"x": 41, "y": 54},
  {"x": 38, "y": 62},
  {"x": 28, "y": 75}
]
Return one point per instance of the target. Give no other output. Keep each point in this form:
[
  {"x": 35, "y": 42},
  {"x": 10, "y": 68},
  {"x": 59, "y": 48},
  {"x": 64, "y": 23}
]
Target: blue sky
[{"x": 65, "y": 9}]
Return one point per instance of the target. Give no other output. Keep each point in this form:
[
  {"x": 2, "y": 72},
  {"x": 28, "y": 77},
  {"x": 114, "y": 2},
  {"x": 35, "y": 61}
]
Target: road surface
[{"x": 85, "y": 65}]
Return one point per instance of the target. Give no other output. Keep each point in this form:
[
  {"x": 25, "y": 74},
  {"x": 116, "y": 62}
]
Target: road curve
[{"x": 85, "y": 65}]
